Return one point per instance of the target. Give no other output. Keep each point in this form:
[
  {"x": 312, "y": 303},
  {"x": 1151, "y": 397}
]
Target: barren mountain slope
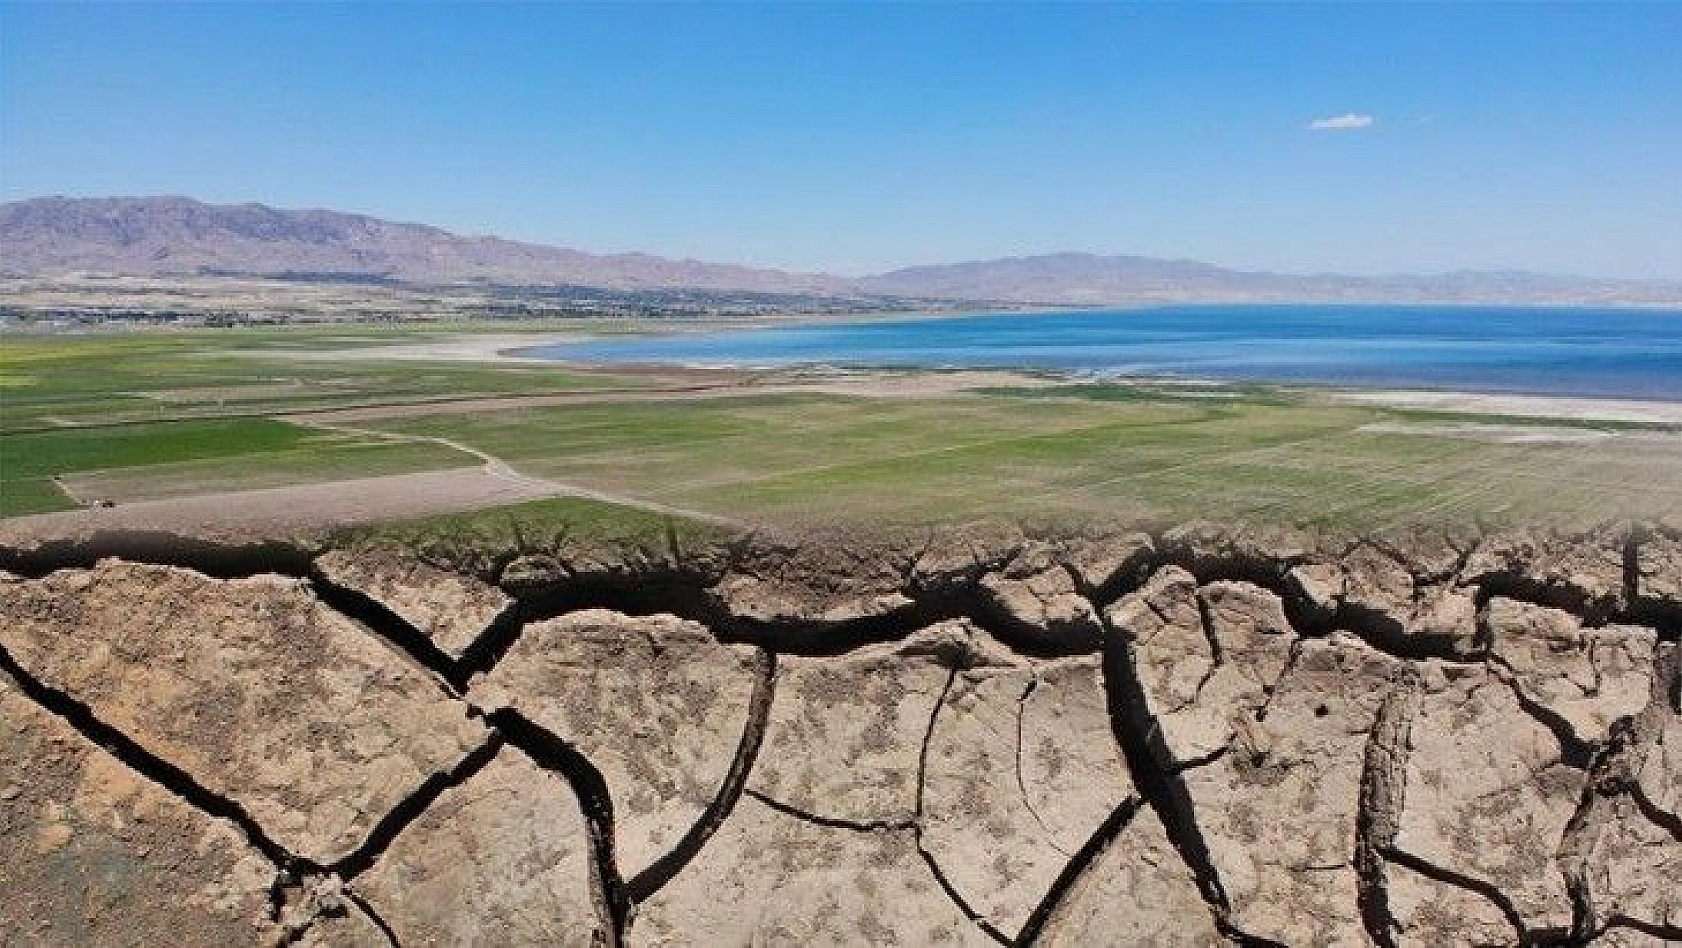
[
  {"x": 171, "y": 235},
  {"x": 174, "y": 236},
  {"x": 1087, "y": 279}
]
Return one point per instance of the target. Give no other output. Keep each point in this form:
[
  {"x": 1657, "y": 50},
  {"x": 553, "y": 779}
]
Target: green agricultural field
[
  {"x": 327, "y": 457},
  {"x": 162, "y": 459},
  {"x": 147, "y": 415},
  {"x": 57, "y": 380},
  {"x": 819, "y": 459},
  {"x": 44, "y": 453},
  {"x": 28, "y": 495}
]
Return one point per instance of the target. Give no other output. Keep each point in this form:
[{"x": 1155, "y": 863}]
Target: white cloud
[{"x": 1340, "y": 123}]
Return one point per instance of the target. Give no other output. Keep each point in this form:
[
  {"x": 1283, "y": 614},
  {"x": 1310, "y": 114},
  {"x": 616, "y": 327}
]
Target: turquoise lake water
[{"x": 1601, "y": 352}]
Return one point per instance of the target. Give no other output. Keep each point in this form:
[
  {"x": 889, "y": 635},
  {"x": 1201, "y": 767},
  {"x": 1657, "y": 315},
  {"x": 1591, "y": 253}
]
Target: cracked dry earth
[{"x": 1189, "y": 737}]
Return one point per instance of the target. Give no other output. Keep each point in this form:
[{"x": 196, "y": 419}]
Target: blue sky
[{"x": 852, "y": 138}]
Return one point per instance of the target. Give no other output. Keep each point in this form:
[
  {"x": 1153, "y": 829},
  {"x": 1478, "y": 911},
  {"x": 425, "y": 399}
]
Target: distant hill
[
  {"x": 158, "y": 236},
  {"x": 1081, "y": 278},
  {"x": 162, "y": 236}
]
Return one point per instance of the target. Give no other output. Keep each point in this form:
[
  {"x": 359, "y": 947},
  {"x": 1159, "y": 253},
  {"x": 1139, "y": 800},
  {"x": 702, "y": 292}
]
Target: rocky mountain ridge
[
  {"x": 174, "y": 236},
  {"x": 1088, "y": 279},
  {"x": 1192, "y": 736}
]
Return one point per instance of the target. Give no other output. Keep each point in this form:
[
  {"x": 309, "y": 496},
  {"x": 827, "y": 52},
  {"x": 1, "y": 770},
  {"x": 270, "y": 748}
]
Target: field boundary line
[{"x": 499, "y": 469}]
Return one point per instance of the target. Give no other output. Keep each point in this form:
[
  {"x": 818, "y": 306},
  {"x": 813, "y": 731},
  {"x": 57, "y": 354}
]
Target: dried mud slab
[
  {"x": 819, "y": 589},
  {"x": 1584, "y": 573},
  {"x": 1137, "y": 892},
  {"x": 1589, "y": 678},
  {"x": 1635, "y": 867},
  {"x": 1207, "y": 657},
  {"x": 1102, "y": 565},
  {"x": 959, "y": 556},
  {"x": 1659, "y": 572},
  {"x": 1022, "y": 769},
  {"x": 1630, "y": 938},
  {"x": 252, "y": 686},
  {"x": 1317, "y": 589},
  {"x": 348, "y": 926},
  {"x": 447, "y": 607},
  {"x": 1625, "y": 846},
  {"x": 1164, "y": 624},
  {"x": 824, "y": 601},
  {"x": 93, "y": 853},
  {"x": 845, "y": 735},
  {"x": 1278, "y": 812},
  {"x": 501, "y": 859},
  {"x": 656, "y": 703},
  {"x": 1072, "y": 773},
  {"x": 770, "y": 878},
  {"x": 1398, "y": 603},
  {"x": 1038, "y": 600},
  {"x": 1431, "y": 914},
  {"x": 1251, "y": 645},
  {"x": 1659, "y": 775},
  {"x": 1489, "y": 794},
  {"x": 1224, "y": 548}
]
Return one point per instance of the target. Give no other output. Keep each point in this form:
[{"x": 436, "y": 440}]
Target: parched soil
[{"x": 971, "y": 736}]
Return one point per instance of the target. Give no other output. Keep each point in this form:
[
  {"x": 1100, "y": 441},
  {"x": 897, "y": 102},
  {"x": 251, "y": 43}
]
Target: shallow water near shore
[{"x": 1580, "y": 351}]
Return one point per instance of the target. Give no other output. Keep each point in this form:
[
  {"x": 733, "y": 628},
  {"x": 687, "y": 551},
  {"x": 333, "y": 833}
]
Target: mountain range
[{"x": 165, "y": 236}]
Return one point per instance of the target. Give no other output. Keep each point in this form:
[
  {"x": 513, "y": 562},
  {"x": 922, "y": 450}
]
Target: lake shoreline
[
  {"x": 501, "y": 348},
  {"x": 1576, "y": 353}
]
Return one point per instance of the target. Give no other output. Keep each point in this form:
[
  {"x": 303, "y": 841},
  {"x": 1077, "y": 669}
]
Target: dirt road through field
[{"x": 498, "y": 469}]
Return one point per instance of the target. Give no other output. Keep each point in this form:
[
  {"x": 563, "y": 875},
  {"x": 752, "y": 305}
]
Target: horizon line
[{"x": 840, "y": 274}]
